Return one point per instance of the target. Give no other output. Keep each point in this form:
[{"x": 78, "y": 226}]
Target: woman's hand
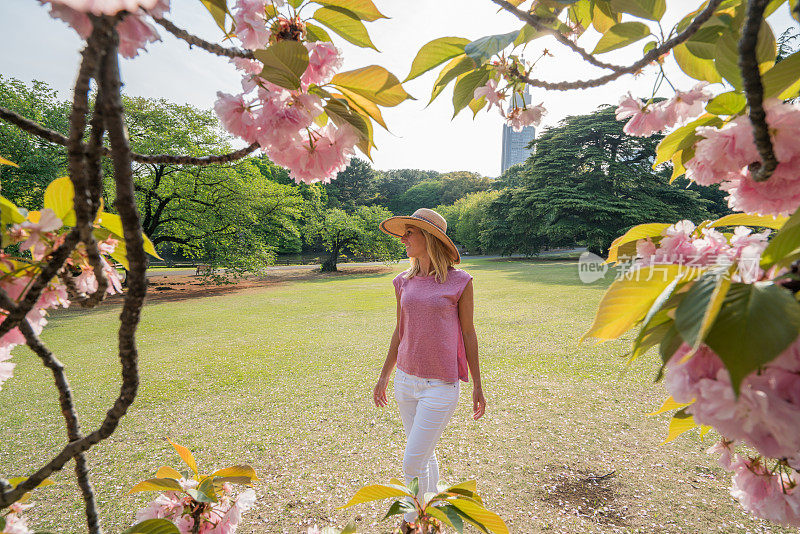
[
  {"x": 478, "y": 403},
  {"x": 379, "y": 394}
]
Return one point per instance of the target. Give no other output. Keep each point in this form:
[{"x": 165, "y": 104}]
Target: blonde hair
[{"x": 441, "y": 261}]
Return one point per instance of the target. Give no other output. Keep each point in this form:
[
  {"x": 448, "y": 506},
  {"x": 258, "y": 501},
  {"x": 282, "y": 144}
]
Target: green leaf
[
  {"x": 646, "y": 9},
  {"x": 730, "y": 103},
  {"x": 218, "y": 10},
  {"x": 784, "y": 245},
  {"x": 620, "y": 35},
  {"x": 527, "y": 34},
  {"x": 9, "y": 212},
  {"x": 448, "y": 515},
  {"x": 783, "y": 80},
  {"x": 376, "y": 492},
  {"x": 346, "y": 24},
  {"x": 284, "y": 63},
  {"x": 413, "y": 486},
  {"x": 349, "y": 528},
  {"x": 205, "y": 492},
  {"x": 363, "y": 9},
  {"x": 153, "y": 526},
  {"x": 400, "y": 506},
  {"x": 640, "y": 231},
  {"x": 695, "y": 67},
  {"x": 701, "y": 305},
  {"x": 756, "y": 323},
  {"x": 656, "y": 317},
  {"x": 157, "y": 484},
  {"x": 236, "y": 471},
  {"x": 603, "y": 17},
  {"x": 682, "y": 138},
  {"x": 629, "y": 299},
  {"x": 650, "y": 45},
  {"x": 374, "y": 83},
  {"x": 464, "y": 90},
  {"x": 670, "y": 344},
  {"x": 481, "y": 50},
  {"x": 477, "y": 105},
  {"x": 340, "y": 114},
  {"x": 316, "y": 33},
  {"x": 727, "y": 60},
  {"x": 703, "y": 44},
  {"x": 435, "y": 53},
  {"x": 457, "y": 66},
  {"x": 59, "y": 197}
]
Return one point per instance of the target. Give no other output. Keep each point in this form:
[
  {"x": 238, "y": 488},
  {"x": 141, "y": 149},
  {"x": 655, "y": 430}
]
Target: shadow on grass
[
  {"x": 585, "y": 494},
  {"x": 562, "y": 272}
]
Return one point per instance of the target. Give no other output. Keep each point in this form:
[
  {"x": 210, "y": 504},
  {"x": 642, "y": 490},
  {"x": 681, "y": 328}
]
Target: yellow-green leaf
[
  {"x": 9, "y": 212},
  {"x": 168, "y": 472},
  {"x": 695, "y": 67},
  {"x": 603, "y": 18},
  {"x": 682, "y": 138},
  {"x": 464, "y": 90},
  {"x": 346, "y": 24},
  {"x": 363, "y": 9},
  {"x": 236, "y": 471},
  {"x": 477, "y": 105},
  {"x": 490, "y": 520},
  {"x": 435, "y": 53},
  {"x": 364, "y": 104},
  {"x": 783, "y": 80},
  {"x": 701, "y": 304},
  {"x": 527, "y": 34},
  {"x": 620, "y": 35},
  {"x": 16, "y": 481},
  {"x": 4, "y": 161},
  {"x": 457, "y": 66},
  {"x": 678, "y": 169},
  {"x": 628, "y": 299},
  {"x": 640, "y": 231},
  {"x": 747, "y": 219},
  {"x": 186, "y": 455},
  {"x": 316, "y": 33},
  {"x": 341, "y": 114},
  {"x": 153, "y": 526},
  {"x": 678, "y": 425},
  {"x": 646, "y": 9},
  {"x": 218, "y": 10},
  {"x": 59, "y": 197},
  {"x": 374, "y": 83},
  {"x": 157, "y": 484},
  {"x": 730, "y": 103},
  {"x": 376, "y": 492},
  {"x": 284, "y": 63},
  {"x": 669, "y": 405},
  {"x": 113, "y": 223}
]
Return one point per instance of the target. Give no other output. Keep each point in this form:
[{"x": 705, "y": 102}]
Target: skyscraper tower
[{"x": 515, "y": 143}]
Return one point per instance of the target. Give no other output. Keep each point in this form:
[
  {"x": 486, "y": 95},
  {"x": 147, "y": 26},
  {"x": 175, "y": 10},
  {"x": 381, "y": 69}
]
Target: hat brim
[{"x": 396, "y": 226}]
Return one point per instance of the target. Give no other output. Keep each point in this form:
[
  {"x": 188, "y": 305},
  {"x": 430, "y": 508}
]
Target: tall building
[{"x": 515, "y": 143}]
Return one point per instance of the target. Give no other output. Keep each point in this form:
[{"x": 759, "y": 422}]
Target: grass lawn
[{"x": 281, "y": 378}]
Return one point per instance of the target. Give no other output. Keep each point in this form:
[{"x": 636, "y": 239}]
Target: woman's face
[{"x": 414, "y": 241}]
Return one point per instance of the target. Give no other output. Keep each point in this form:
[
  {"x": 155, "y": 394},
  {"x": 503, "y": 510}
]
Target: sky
[{"x": 38, "y": 47}]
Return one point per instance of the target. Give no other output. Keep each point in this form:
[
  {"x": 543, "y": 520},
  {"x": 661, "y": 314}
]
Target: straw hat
[{"x": 428, "y": 220}]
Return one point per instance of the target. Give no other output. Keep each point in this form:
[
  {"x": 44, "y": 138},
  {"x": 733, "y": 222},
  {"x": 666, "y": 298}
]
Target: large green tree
[
  {"x": 586, "y": 183},
  {"x": 40, "y": 162}
]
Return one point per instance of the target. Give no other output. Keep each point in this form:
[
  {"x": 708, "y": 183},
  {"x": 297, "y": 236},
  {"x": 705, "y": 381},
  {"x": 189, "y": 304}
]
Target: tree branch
[
  {"x": 535, "y": 21},
  {"x": 754, "y": 91},
  {"x": 205, "y": 45},
  {"x": 36, "y": 129},
  {"x": 651, "y": 56}
]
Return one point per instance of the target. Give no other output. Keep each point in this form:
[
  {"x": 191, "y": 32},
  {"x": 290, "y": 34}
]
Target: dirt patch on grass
[{"x": 585, "y": 494}]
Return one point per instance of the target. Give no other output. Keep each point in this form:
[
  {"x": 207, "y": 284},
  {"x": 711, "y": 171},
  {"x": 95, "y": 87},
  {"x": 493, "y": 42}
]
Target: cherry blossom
[
  {"x": 493, "y": 96},
  {"x": 771, "y": 496},
  {"x": 108, "y": 7},
  {"x": 250, "y": 19},
  {"x": 36, "y": 231},
  {"x": 519, "y": 118},
  {"x": 685, "y": 104},
  {"x": 324, "y": 59},
  {"x": 645, "y": 120},
  {"x": 15, "y": 523},
  {"x": 235, "y": 114},
  {"x": 222, "y": 517}
]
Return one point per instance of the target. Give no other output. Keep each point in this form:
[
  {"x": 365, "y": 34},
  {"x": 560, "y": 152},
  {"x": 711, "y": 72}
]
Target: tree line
[{"x": 585, "y": 183}]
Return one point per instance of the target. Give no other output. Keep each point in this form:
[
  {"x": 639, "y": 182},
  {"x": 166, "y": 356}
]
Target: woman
[{"x": 433, "y": 344}]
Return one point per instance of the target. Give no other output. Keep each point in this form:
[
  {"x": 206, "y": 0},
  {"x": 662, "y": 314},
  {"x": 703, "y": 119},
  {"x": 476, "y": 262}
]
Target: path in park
[{"x": 191, "y": 271}]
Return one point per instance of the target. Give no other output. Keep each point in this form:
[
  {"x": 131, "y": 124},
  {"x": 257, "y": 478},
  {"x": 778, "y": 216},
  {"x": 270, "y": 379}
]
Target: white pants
[{"x": 426, "y": 406}]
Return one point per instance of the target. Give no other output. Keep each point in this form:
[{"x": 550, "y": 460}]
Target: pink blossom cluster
[
  {"x": 40, "y": 238},
  {"x": 648, "y": 119},
  {"x": 134, "y": 30},
  {"x": 15, "y": 522},
  {"x": 724, "y": 157},
  {"x": 519, "y": 118},
  {"x": 282, "y": 122},
  {"x": 221, "y": 517},
  {"x": 683, "y": 244},
  {"x": 770, "y": 494},
  {"x": 492, "y": 95}
]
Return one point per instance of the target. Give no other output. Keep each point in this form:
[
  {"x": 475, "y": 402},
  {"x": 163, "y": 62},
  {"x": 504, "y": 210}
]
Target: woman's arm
[
  {"x": 379, "y": 394},
  {"x": 465, "y": 313}
]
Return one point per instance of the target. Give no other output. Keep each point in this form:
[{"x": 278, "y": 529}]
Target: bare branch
[
  {"x": 536, "y": 22},
  {"x": 651, "y": 56},
  {"x": 205, "y": 45},
  {"x": 754, "y": 91},
  {"x": 34, "y": 128}
]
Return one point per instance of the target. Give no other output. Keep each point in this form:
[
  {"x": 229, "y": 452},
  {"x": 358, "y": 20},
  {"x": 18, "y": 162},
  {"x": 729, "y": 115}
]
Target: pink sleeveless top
[{"x": 431, "y": 344}]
